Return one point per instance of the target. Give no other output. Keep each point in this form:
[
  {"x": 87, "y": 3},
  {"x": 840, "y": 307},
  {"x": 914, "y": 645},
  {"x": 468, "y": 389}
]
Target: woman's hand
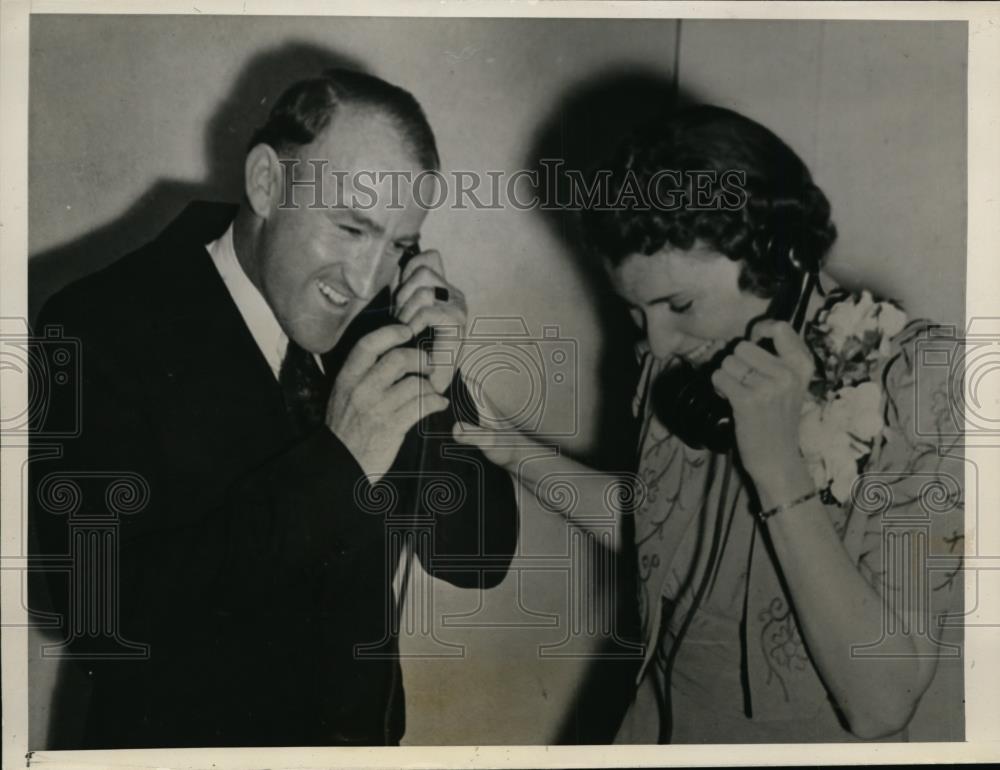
[
  {"x": 511, "y": 448},
  {"x": 496, "y": 436},
  {"x": 766, "y": 392}
]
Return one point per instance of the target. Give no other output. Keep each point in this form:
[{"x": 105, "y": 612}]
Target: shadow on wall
[
  {"x": 227, "y": 134},
  {"x": 245, "y": 107},
  {"x": 582, "y": 131}
]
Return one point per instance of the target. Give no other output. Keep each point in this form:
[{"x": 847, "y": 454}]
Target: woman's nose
[{"x": 664, "y": 341}]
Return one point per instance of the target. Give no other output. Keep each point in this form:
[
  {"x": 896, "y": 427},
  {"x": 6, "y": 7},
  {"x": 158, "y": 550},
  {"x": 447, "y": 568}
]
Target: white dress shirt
[{"x": 257, "y": 314}]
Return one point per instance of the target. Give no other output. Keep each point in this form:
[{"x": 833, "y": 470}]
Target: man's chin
[
  {"x": 318, "y": 341},
  {"x": 321, "y": 335}
]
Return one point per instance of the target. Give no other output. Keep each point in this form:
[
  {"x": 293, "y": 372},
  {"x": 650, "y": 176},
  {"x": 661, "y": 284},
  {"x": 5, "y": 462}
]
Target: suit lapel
[
  {"x": 215, "y": 375},
  {"x": 218, "y": 380}
]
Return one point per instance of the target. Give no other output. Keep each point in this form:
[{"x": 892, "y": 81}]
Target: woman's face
[{"x": 688, "y": 303}]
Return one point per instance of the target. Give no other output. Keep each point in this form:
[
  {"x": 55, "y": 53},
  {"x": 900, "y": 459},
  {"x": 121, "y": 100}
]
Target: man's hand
[
  {"x": 378, "y": 396},
  {"x": 426, "y": 299}
]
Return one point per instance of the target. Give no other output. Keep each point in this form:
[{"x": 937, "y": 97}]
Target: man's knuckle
[
  {"x": 395, "y": 358},
  {"x": 368, "y": 344}
]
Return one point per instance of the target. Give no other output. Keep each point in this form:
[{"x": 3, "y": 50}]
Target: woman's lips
[{"x": 702, "y": 353}]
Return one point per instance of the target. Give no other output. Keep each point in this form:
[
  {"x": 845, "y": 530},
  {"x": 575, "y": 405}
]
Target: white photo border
[{"x": 982, "y": 643}]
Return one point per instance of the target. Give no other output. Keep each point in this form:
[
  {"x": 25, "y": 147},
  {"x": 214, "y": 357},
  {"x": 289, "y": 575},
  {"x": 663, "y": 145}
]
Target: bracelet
[{"x": 765, "y": 515}]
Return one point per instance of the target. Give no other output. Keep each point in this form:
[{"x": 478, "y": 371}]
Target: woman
[{"x": 789, "y": 580}]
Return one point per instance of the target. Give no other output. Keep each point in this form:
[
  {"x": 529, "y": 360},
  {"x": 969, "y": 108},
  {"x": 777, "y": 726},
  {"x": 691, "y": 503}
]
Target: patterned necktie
[{"x": 305, "y": 387}]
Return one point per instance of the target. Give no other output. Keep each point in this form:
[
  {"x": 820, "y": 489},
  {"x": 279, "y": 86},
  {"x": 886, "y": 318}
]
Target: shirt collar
[{"x": 256, "y": 313}]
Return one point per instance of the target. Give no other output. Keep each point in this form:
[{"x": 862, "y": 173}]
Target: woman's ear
[{"x": 263, "y": 179}]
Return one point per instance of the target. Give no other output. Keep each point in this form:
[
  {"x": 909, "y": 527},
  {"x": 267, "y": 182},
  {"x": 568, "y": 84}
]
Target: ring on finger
[{"x": 441, "y": 293}]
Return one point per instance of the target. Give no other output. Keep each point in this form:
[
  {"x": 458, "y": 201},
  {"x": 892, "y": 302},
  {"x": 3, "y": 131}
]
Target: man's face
[{"x": 319, "y": 267}]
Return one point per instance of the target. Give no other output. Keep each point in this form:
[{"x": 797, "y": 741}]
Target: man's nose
[{"x": 362, "y": 274}]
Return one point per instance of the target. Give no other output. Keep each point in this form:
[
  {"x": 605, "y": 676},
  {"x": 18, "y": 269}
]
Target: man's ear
[{"x": 263, "y": 179}]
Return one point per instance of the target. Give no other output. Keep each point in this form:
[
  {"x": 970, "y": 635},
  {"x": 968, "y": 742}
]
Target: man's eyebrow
[
  {"x": 376, "y": 228},
  {"x": 363, "y": 219}
]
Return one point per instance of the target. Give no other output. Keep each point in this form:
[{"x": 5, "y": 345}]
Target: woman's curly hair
[{"x": 780, "y": 212}]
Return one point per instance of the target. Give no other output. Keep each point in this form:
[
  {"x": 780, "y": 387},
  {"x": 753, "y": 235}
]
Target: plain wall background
[{"x": 131, "y": 116}]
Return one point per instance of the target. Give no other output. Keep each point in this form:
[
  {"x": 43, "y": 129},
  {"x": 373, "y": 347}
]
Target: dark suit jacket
[{"x": 259, "y": 559}]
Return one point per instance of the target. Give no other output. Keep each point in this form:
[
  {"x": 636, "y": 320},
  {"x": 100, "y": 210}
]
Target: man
[{"x": 253, "y": 372}]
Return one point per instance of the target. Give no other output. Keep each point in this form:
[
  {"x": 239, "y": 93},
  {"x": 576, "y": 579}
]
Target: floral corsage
[{"x": 842, "y": 415}]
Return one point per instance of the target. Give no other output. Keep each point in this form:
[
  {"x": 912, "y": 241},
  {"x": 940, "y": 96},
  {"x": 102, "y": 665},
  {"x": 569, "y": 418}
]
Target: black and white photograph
[{"x": 524, "y": 378}]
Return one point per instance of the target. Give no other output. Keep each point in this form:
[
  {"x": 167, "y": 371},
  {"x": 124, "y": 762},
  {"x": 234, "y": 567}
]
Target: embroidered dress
[{"x": 742, "y": 673}]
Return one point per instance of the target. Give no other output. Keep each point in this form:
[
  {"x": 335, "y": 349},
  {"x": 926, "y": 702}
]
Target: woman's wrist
[
  {"x": 525, "y": 457},
  {"x": 788, "y": 481}
]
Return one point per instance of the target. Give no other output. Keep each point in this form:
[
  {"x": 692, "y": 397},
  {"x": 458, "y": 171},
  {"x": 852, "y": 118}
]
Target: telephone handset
[
  {"x": 427, "y": 335},
  {"x": 684, "y": 399},
  {"x": 423, "y": 339},
  {"x": 378, "y": 313}
]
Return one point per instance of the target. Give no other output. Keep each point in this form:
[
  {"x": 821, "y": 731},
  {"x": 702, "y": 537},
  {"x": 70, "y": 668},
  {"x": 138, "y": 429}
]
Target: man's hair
[
  {"x": 304, "y": 110},
  {"x": 783, "y": 209}
]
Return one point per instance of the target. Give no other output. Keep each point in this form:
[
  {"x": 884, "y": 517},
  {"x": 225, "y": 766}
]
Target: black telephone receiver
[
  {"x": 408, "y": 254},
  {"x": 427, "y": 335},
  {"x": 683, "y": 397}
]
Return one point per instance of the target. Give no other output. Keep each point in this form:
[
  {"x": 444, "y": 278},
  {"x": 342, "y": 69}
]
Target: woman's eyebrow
[{"x": 664, "y": 299}]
